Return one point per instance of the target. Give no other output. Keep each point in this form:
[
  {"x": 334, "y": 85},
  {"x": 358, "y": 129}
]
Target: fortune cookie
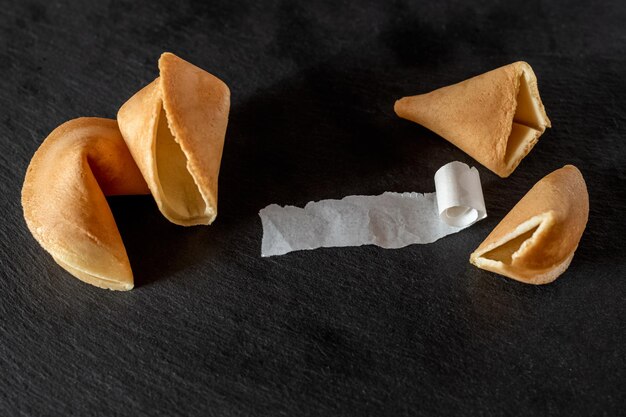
[
  {"x": 496, "y": 117},
  {"x": 64, "y": 203},
  {"x": 536, "y": 240},
  {"x": 175, "y": 128}
]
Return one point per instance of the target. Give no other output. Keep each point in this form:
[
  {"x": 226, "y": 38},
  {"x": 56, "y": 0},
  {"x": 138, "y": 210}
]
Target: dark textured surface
[{"x": 212, "y": 328}]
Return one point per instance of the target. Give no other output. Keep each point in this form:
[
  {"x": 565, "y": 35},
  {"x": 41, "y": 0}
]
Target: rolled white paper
[
  {"x": 389, "y": 220},
  {"x": 460, "y": 199}
]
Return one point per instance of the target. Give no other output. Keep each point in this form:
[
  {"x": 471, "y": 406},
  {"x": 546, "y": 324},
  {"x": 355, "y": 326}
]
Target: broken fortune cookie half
[
  {"x": 175, "y": 128},
  {"x": 496, "y": 117},
  {"x": 536, "y": 240},
  {"x": 64, "y": 203}
]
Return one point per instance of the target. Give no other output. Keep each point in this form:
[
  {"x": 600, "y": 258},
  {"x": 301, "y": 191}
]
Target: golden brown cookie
[
  {"x": 496, "y": 117},
  {"x": 175, "y": 128},
  {"x": 536, "y": 240},
  {"x": 64, "y": 203}
]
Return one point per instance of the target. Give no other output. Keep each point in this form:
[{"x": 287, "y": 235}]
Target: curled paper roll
[{"x": 460, "y": 201}]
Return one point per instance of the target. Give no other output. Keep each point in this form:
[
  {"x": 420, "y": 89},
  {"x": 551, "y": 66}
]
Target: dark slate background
[{"x": 214, "y": 329}]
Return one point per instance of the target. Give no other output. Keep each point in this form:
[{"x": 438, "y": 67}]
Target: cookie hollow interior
[
  {"x": 182, "y": 198},
  {"x": 527, "y": 126}
]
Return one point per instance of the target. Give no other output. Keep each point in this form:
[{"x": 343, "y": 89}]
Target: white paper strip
[{"x": 390, "y": 220}]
